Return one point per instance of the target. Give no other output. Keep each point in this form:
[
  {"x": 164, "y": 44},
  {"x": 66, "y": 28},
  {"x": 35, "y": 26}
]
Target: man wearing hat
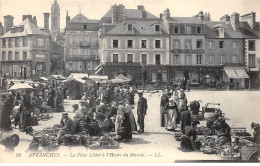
[
  {"x": 141, "y": 111},
  {"x": 67, "y": 126}
]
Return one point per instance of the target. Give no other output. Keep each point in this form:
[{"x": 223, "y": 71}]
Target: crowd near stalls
[{"x": 213, "y": 135}]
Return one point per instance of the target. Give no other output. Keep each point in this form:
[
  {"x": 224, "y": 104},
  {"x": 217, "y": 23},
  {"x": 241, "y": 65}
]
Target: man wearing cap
[
  {"x": 67, "y": 126},
  {"x": 141, "y": 111}
]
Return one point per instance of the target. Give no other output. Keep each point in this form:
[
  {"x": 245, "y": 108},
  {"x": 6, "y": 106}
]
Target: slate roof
[
  {"x": 140, "y": 27},
  {"x": 29, "y": 29},
  {"x": 80, "y": 18},
  {"x": 132, "y": 13},
  {"x": 191, "y": 20}
]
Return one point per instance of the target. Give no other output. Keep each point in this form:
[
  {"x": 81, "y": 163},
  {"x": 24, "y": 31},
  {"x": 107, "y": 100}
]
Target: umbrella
[
  {"x": 21, "y": 86},
  {"x": 121, "y": 79}
]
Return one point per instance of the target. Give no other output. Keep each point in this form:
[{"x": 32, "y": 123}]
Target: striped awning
[{"x": 235, "y": 72}]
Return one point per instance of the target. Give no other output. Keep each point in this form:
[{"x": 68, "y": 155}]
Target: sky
[{"x": 95, "y": 9}]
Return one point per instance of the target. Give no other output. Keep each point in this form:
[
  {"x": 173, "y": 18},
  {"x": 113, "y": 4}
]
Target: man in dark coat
[
  {"x": 141, "y": 111},
  {"x": 164, "y": 101},
  {"x": 185, "y": 119}
]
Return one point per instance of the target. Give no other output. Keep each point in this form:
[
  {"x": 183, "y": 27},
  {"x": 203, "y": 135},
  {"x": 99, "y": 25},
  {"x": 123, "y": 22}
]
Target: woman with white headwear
[{"x": 171, "y": 115}]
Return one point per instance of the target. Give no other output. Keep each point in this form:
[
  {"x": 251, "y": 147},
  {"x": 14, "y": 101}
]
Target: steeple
[{"x": 55, "y": 19}]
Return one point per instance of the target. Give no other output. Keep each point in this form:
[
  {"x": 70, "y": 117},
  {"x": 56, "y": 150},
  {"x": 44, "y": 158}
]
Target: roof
[
  {"x": 140, "y": 27},
  {"x": 248, "y": 32},
  {"x": 98, "y": 77},
  {"x": 80, "y": 18},
  {"x": 75, "y": 79},
  {"x": 58, "y": 77},
  {"x": 192, "y": 20},
  {"x": 29, "y": 29},
  {"x": 132, "y": 13},
  {"x": 78, "y": 75}
]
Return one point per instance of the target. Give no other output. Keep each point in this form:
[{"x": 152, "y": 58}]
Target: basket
[{"x": 177, "y": 136}]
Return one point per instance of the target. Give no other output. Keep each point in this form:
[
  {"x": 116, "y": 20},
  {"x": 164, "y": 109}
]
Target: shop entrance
[{"x": 186, "y": 75}]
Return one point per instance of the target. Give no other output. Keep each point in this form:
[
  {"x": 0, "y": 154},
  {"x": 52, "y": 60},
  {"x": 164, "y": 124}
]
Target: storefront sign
[
  {"x": 187, "y": 51},
  {"x": 40, "y": 58},
  {"x": 123, "y": 64}
]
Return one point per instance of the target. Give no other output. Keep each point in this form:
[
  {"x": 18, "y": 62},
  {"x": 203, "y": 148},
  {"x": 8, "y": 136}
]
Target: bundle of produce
[{"x": 69, "y": 139}]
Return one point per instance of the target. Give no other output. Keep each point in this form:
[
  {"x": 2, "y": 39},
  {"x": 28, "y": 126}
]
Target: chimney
[
  {"x": 225, "y": 18},
  {"x": 140, "y": 7},
  {"x": 67, "y": 18},
  {"x": 118, "y": 13},
  {"x": 27, "y": 16},
  {"x": 207, "y": 17},
  {"x": 201, "y": 16},
  {"x": 46, "y": 22},
  {"x": 1, "y": 29},
  {"x": 161, "y": 15},
  {"x": 235, "y": 21},
  {"x": 8, "y": 23},
  {"x": 166, "y": 14},
  {"x": 250, "y": 19},
  {"x": 34, "y": 20}
]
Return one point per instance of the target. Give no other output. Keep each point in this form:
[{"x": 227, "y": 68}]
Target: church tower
[{"x": 55, "y": 19}]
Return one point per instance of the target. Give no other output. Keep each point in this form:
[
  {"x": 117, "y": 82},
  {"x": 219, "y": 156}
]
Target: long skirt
[
  {"x": 25, "y": 120},
  {"x": 171, "y": 119},
  {"x": 132, "y": 120},
  {"x": 162, "y": 117},
  {"x": 5, "y": 121}
]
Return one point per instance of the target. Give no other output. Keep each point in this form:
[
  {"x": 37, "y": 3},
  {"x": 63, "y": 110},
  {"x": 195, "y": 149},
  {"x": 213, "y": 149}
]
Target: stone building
[
  {"x": 81, "y": 45},
  {"x": 55, "y": 19},
  {"x": 132, "y": 42},
  {"x": 25, "y": 51}
]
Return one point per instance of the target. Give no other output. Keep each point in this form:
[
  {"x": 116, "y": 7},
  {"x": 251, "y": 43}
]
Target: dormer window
[
  {"x": 130, "y": 27},
  {"x": 21, "y": 28},
  {"x": 157, "y": 28},
  {"x": 198, "y": 29},
  {"x": 176, "y": 29},
  {"x": 85, "y": 27}
]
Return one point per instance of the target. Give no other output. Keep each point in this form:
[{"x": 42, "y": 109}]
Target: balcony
[{"x": 123, "y": 64}]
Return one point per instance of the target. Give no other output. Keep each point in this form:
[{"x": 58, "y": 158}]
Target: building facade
[
  {"x": 81, "y": 45},
  {"x": 25, "y": 51}
]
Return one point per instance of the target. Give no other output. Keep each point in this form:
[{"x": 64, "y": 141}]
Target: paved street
[{"x": 241, "y": 108}]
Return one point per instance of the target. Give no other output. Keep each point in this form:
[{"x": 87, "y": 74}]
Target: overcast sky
[{"x": 95, "y": 9}]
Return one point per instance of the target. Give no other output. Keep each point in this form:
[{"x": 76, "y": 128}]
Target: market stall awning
[{"x": 235, "y": 72}]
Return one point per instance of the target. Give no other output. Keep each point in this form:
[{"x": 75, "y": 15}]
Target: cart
[{"x": 209, "y": 109}]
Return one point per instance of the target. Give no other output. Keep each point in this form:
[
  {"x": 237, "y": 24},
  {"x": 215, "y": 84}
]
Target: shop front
[
  {"x": 235, "y": 76},
  {"x": 17, "y": 69}
]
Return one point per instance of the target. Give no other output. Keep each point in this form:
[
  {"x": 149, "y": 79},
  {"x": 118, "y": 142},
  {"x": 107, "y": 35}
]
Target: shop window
[
  {"x": 157, "y": 59},
  {"x": 188, "y": 59},
  {"x": 234, "y": 44},
  {"x": 16, "y": 55},
  {"x": 251, "y": 60},
  {"x": 188, "y": 30},
  {"x": 129, "y": 43},
  {"x": 3, "y": 56},
  {"x": 157, "y": 43},
  {"x": 115, "y": 58},
  {"x": 198, "y": 30},
  {"x": 10, "y": 43},
  {"x": 234, "y": 59},
  {"x": 199, "y": 59},
  {"x": 24, "y": 55},
  {"x": 16, "y": 42},
  {"x": 143, "y": 43},
  {"x": 210, "y": 59},
  {"x": 221, "y": 44},
  {"x": 10, "y": 55},
  {"x": 176, "y": 29},
  {"x": 3, "y": 43},
  {"x": 199, "y": 44},
  {"x": 157, "y": 28},
  {"x": 210, "y": 44},
  {"x": 222, "y": 59},
  {"x": 176, "y": 59},
  {"x": 144, "y": 59},
  {"x": 129, "y": 58},
  {"x": 115, "y": 43},
  {"x": 251, "y": 45}
]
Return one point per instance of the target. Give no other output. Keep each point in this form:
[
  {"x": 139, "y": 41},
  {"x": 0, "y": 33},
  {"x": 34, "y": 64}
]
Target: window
[
  {"x": 144, "y": 59},
  {"x": 24, "y": 55},
  {"x": 85, "y": 26},
  {"x": 24, "y": 42},
  {"x": 234, "y": 59},
  {"x": 176, "y": 44},
  {"x": 129, "y": 58},
  {"x": 3, "y": 56},
  {"x": 39, "y": 42},
  {"x": 157, "y": 43},
  {"x": 10, "y": 44},
  {"x": 210, "y": 59},
  {"x": 143, "y": 43},
  {"x": 188, "y": 59},
  {"x": 3, "y": 43},
  {"x": 199, "y": 59},
  {"x": 210, "y": 44},
  {"x": 130, "y": 27},
  {"x": 234, "y": 44},
  {"x": 251, "y": 45},
  {"x": 221, "y": 44},
  {"x": 16, "y": 42},
  {"x": 115, "y": 58},
  {"x": 188, "y": 30},
  {"x": 157, "y": 59},
  {"x": 10, "y": 55},
  {"x": 176, "y": 59},
  {"x": 157, "y": 28},
  {"x": 115, "y": 43},
  {"x": 176, "y": 29},
  {"x": 221, "y": 59},
  {"x": 198, "y": 30},
  {"x": 129, "y": 43},
  {"x": 187, "y": 44},
  {"x": 16, "y": 56},
  {"x": 251, "y": 60},
  {"x": 199, "y": 44}
]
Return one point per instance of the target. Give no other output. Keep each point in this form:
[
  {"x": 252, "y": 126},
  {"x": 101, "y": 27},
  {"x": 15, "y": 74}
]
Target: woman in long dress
[
  {"x": 123, "y": 124},
  {"x": 128, "y": 109},
  {"x": 171, "y": 115}
]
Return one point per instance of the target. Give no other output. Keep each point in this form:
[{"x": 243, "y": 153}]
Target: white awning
[
  {"x": 230, "y": 72},
  {"x": 241, "y": 73}
]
